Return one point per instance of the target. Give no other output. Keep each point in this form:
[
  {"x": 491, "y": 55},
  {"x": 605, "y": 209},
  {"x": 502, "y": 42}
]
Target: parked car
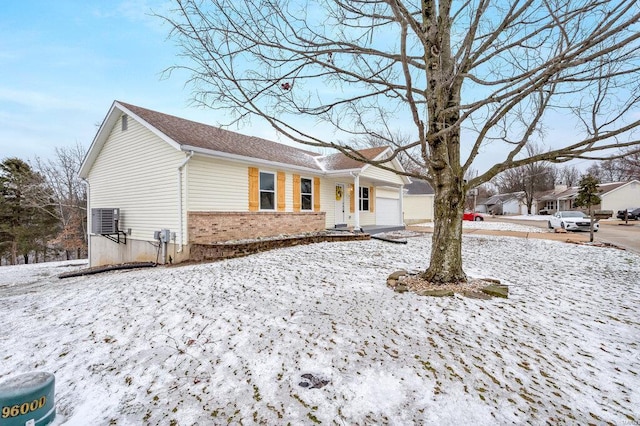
[
  {"x": 632, "y": 213},
  {"x": 572, "y": 221},
  {"x": 469, "y": 215},
  {"x": 544, "y": 211}
]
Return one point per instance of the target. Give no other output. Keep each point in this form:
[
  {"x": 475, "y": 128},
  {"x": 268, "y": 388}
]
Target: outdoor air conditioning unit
[{"x": 105, "y": 221}]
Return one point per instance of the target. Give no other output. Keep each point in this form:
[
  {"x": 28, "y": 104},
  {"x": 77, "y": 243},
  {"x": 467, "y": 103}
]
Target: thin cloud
[{"x": 38, "y": 100}]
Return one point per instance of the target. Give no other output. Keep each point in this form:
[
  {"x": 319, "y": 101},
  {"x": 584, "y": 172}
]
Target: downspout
[
  {"x": 356, "y": 201},
  {"x": 180, "y": 214},
  {"x": 86, "y": 182},
  {"x": 401, "y": 193}
]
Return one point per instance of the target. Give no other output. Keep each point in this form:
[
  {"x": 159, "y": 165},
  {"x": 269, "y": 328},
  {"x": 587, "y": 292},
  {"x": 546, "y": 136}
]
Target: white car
[{"x": 572, "y": 221}]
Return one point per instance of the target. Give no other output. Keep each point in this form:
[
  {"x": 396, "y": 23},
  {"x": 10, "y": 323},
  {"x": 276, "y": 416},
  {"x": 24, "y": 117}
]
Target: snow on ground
[
  {"x": 493, "y": 226},
  {"x": 535, "y": 217},
  {"x": 228, "y": 342}
]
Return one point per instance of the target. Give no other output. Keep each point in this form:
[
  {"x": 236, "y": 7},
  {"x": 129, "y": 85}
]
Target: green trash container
[{"x": 28, "y": 400}]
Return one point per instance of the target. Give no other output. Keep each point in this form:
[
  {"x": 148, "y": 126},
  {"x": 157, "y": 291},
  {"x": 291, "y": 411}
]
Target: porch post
[
  {"x": 401, "y": 213},
  {"x": 356, "y": 202}
]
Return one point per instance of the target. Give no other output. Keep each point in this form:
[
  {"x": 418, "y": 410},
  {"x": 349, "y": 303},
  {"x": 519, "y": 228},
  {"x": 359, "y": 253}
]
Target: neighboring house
[
  {"x": 418, "y": 202},
  {"x": 502, "y": 204},
  {"x": 158, "y": 183},
  {"x": 615, "y": 196}
]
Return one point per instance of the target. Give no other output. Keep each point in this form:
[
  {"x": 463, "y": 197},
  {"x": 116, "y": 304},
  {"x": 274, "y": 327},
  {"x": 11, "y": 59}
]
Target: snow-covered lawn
[
  {"x": 536, "y": 217},
  {"x": 228, "y": 342},
  {"x": 493, "y": 226}
]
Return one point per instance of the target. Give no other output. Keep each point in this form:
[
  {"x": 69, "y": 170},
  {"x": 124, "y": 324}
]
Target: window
[
  {"x": 267, "y": 191},
  {"x": 125, "y": 122},
  {"x": 306, "y": 194},
  {"x": 364, "y": 198}
]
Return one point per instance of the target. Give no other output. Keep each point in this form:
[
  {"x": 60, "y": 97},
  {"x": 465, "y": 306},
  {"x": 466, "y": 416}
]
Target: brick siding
[{"x": 214, "y": 227}]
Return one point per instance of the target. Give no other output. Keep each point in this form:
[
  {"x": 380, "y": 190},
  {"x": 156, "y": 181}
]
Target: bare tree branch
[{"x": 461, "y": 78}]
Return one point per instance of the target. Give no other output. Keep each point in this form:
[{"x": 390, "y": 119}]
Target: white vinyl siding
[
  {"x": 136, "y": 172},
  {"x": 621, "y": 198},
  {"x": 222, "y": 185},
  {"x": 375, "y": 173},
  {"x": 217, "y": 185},
  {"x": 418, "y": 208},
  {"x": 388, "y": 193}
]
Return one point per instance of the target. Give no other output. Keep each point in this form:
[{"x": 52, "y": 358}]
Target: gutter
[
  {"x": 86, "y": 182},
  {"x": 180, "y": 213},
  {"x": 249, "y": 160},
  {"x": 252, "y": 160}
]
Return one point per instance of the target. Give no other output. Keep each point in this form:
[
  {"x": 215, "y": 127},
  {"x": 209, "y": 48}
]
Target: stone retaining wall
[{"x": 204, "y": 252}]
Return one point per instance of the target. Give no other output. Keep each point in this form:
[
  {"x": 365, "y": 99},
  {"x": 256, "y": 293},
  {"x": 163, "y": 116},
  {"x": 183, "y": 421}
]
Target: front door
[{"x": 339, "y": 208}]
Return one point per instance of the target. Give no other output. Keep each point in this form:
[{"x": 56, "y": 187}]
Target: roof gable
[
  {"x": 339, "y": 161},
  {"x": 572, "y": 192},
  {"x": 503, "y": 198},
  {"x": 191, "y": 134}
]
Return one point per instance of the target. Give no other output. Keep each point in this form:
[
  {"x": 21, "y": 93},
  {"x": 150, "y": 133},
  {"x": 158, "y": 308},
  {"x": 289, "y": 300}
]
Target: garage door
[{"x": 387, "y": 211}]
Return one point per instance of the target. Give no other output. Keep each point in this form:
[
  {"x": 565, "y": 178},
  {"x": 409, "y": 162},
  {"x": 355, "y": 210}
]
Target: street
[{"x": 615, "y": 232}]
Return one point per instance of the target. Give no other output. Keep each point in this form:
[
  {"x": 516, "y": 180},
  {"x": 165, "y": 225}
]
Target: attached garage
[
  {"x": 418, "y": 202},
  {"x": 388, "y": 211}
]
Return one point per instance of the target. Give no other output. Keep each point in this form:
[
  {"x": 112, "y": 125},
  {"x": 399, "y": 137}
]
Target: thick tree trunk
[
  {"x": 443, "y": 141},
  {"x": 446, "y": 248}
]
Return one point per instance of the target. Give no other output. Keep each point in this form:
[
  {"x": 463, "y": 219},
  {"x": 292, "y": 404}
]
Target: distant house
[
  {"x": 418, "y": 202},
  {"x": 513, "y": 203},
  {"x": 615, "y": 196},
  {"x": 153, "y": 178}
]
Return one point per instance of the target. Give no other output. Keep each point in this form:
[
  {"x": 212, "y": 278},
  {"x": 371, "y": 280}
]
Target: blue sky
[{"x": 63, "y": 63}]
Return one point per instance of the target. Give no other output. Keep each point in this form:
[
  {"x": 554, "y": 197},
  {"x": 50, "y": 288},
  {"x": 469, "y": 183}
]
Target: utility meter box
[{"x": 164, "y": 235}]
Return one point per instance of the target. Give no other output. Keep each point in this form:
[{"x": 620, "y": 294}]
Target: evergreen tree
[
  {"x": 27, "y": 219},
  {"x": 588, "y": 197}
]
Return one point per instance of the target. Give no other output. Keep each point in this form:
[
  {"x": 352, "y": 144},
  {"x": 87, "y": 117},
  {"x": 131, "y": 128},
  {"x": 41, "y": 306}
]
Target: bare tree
[
  {"x": 482, "y": 74},
  {"x": 529, "y": 179},
  {"x": 629, "y": 165},
  {"x": 567, "y": 175},
  {"x": 607, "y": 171},
  {"x": 69, "y": 197}
]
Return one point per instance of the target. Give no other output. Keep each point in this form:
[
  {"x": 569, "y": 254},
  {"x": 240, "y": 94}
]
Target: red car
[{"x": 469, "y": 215}]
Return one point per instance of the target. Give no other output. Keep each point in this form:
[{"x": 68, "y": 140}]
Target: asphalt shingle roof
[
  {"x": 572, "y": 192},
  {"x": 190, "y": 133},
  {"x": 419, "y": 187},
  {"x": 339, "y": 161}
]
